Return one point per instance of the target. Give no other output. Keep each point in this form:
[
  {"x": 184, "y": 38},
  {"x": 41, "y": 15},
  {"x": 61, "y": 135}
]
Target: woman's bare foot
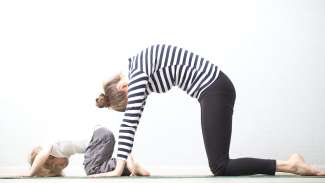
[{"x": 299, "y": 167}]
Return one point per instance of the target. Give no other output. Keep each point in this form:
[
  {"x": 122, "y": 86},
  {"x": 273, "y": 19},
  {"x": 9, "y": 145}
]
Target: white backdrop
[{"x": 55, "y": 55}]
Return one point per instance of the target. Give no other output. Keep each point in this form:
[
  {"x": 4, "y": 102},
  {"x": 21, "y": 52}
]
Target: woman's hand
[{"x": 117, "y": 172}]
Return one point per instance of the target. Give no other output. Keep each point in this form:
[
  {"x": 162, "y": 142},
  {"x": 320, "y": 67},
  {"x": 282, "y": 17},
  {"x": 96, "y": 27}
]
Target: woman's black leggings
[{"x": 217, "y": 103}]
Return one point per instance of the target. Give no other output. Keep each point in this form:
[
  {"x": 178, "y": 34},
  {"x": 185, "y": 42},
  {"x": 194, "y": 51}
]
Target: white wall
[{"x": 54, "y": 56}]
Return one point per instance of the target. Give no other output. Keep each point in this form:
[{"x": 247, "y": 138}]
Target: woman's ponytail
[{"x": 102, "y": 101}]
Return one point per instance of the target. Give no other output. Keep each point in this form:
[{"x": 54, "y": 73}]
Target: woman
[
  {"x": 50, "y": 160},
  {"x": 158, "y": 68}
]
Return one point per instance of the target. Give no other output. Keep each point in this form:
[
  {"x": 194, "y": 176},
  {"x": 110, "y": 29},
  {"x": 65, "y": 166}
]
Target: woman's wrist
[{"x": 120, "y": 166}]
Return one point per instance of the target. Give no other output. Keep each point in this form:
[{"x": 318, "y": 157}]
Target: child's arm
[{"x": 39, "y": 161}]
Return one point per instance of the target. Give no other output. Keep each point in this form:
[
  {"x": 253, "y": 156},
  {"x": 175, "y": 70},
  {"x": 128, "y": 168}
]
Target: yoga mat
[{"x": 164, "y": 177}]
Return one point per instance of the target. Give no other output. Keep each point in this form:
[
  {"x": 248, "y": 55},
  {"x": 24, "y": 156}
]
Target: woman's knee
[{"x": 219, "y": 168}]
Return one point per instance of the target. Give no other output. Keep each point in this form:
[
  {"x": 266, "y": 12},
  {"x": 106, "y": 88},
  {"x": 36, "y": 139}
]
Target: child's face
[{"x": 57, "y": 163}]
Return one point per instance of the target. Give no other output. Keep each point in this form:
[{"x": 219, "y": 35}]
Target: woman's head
[
  {"x": 113, "y": 95},
  {"x": 53, "y": 165}
]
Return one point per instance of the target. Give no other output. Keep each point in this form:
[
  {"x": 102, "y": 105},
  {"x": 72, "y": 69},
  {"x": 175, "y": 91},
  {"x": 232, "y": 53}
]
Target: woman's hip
[{"x": 221, "y": 89}]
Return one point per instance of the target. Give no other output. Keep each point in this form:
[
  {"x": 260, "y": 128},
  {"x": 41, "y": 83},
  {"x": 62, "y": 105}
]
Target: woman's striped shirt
[{"x": 156, "y": 69}]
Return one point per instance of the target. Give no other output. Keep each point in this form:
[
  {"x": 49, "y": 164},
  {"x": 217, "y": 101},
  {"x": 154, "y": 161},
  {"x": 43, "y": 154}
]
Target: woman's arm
[{"x": 136, "y": 100}]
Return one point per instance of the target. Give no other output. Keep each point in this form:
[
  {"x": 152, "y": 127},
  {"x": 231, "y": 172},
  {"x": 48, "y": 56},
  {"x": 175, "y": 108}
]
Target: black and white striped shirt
[{"x": 156, "y": 69}]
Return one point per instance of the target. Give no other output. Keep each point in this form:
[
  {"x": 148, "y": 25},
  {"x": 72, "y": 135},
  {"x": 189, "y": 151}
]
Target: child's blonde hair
[{"x": 46, "y": 170}]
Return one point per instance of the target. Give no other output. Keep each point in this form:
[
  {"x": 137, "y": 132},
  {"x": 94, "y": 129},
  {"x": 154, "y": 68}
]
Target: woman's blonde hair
[
  {"x": 112, "y": 97},
  {"x": 44, "y": 171}
]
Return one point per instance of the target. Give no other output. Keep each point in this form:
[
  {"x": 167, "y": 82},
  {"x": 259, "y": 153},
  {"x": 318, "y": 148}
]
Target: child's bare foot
[{"x": 299, "y": 166}]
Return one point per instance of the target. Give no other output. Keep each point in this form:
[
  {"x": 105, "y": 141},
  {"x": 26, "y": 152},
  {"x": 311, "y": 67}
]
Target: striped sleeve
[{"x": 136, "y": 101}]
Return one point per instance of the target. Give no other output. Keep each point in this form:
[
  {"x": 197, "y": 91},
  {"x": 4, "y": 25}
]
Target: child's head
[
  {"x": 53, "y": 165},
  {"x": 114, "y": 98}
]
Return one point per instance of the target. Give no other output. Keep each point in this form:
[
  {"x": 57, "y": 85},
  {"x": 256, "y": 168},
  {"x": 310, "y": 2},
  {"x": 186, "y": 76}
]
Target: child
[{"x": 49, "y": 161}]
